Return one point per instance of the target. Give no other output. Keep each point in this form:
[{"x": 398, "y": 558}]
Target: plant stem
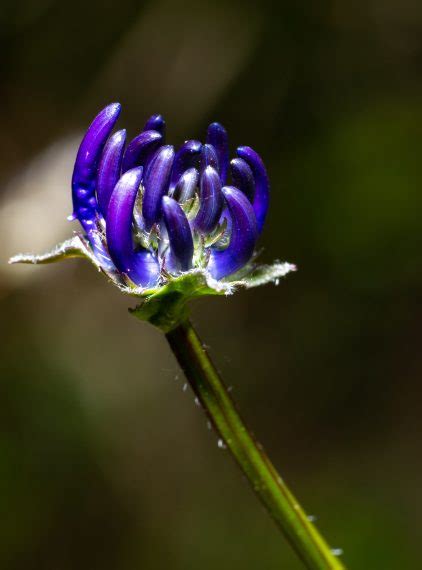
[{"x": 251, "y": 458}]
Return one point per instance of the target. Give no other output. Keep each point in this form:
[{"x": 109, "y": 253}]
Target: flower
[
  {"x": 163, "y": 224},
  {"x": 149, "y": 211}
]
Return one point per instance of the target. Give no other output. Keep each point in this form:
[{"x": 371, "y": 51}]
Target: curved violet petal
[
  {"x": 262, "y": 185},
  {"x": 141, "y": 149},
  {"x": 218, "y": 138},
  {"x": 209, "y": 158},
  {"x": 109, "y": 169},
  {"x": 211, "y": 201},
  {"x": 179, "y": 233},
  {"x": 156, "y": 184},
  {"x": 186, "y": 187},
  {"x": 141, "y": 267},
  {"x": 243, "y": 178},
  {"x": 184, "y": 159},
  {"x": 84, "y": 178},
  {"x": 243, "y": 236},
  {"x": 85, "y": 170},
  {"x": 156, "y": 123}
]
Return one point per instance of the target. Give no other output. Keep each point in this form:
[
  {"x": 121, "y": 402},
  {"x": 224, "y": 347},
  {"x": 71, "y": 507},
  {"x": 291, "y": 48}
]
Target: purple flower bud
[
  {"x": 209, "y": 157},
  {"x": 179, "y": 233},
  {"x": 109, "y": 169},
  {"x": 140, "y": 266},
  {"x": 85, "y": 206},
  {"x": 141, "y": 149},
  {"x": 243, "y": 236},
  {"x": 211, "y": 201},
  {"x": 243, "y": 177},
  {"x": 186, "y": 187},
  {"x": 262, "y": 185},
  {"x": 156, "y": 184},
  {"x": 86, "y": 164},
  {"x": 185, "y": 158},
  {"x": 217, "y": 137},
  {"x": 156, "y": 123}
]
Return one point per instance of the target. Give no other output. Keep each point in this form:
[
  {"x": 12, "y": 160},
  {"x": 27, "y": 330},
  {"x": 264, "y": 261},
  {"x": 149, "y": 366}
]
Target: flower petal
[
  {"x": 262, "y": 185},
  {"x": 141, "y": 149},
  {"x": 85, "y": 170},
  {"x": 184, "y": 159},
  {"x": 156, "y": 123},
  {"x": 218, "y": 138},
  {"x": 156, "y": 184},
  {"x": 186, "y": 187},
  {"x": 141, "y": 267},
  {"x": 84, "y": 178},
  {"x": 109, "y": 168},
  {"x": 179, "y": 233},
  {"x": 242, "y": 239},
  {"x": 209, "y": 157},
  {"x": 211, "y": 201},
  {"x": 243, "y": 177}
]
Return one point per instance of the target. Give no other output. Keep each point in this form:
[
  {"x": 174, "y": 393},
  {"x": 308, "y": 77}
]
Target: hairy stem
[{"x": 251, "y": 458}]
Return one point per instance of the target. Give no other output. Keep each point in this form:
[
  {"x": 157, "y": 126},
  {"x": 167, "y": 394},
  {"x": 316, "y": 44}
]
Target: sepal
[
  {"x": 75, "y": 247},
  {"x": 166, "y": 305}
]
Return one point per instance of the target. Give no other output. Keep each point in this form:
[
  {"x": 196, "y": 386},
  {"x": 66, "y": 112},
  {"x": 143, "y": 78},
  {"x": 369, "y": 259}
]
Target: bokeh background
[{"x": 105, "y": 461}]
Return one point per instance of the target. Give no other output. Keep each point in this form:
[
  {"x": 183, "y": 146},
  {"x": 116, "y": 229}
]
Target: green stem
[{"x": 260, "y": 472}]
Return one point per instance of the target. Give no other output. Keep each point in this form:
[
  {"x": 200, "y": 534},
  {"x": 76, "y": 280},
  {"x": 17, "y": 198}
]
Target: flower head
[
  {"x": 157, "y": 220},
  {"x": 149, "y": 211}
]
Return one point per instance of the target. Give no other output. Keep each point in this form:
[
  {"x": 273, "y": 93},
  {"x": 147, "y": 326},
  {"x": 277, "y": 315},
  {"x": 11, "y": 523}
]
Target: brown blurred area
[{"x": 105, "y": 461}]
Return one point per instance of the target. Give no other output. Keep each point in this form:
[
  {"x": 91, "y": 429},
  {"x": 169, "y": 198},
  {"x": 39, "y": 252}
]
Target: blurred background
[{"x": 105, "y": 461}]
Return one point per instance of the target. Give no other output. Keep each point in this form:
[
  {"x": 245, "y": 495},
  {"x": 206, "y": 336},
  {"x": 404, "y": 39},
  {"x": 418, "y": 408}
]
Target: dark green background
[{"x": 105, "y": 462}]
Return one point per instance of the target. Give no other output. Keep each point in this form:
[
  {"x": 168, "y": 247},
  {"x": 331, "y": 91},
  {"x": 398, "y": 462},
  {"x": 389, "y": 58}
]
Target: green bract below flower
[{"x": 164, "y": 225}]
